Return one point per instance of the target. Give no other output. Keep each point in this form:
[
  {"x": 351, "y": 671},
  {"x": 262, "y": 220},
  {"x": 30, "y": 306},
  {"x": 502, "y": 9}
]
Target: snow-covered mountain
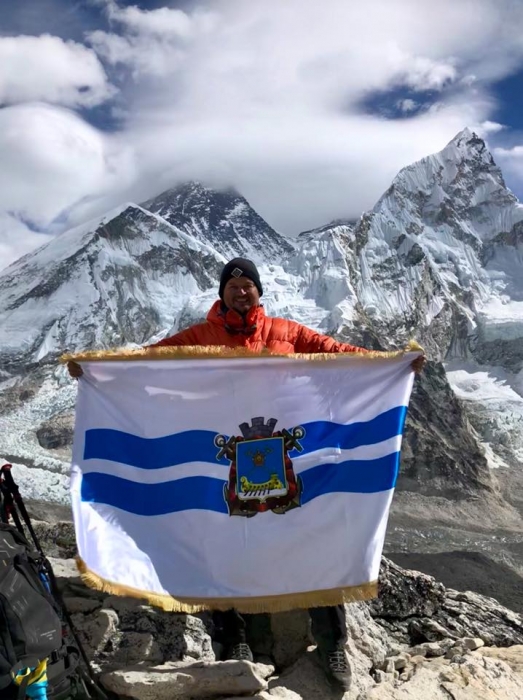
[{"x": 439, "y": 258}]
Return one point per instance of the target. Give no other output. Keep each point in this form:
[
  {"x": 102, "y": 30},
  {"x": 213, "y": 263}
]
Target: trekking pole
[
  {"x": 14, "y": 500},
  {"x": 8, "y": 507},
  {"x": 12, "y": 486}
]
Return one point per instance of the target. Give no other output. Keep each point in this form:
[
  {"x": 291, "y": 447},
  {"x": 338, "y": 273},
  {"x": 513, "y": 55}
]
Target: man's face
[{"x": 240, "y": 293}]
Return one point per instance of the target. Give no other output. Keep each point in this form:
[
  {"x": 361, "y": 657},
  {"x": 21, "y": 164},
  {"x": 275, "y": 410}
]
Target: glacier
[{"x": 439, "y": 258}]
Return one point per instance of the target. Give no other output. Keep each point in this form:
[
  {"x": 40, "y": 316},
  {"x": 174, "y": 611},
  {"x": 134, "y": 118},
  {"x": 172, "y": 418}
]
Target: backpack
[{"x": 40, "y": 653}]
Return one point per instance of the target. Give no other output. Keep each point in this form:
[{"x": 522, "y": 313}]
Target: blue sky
[{"x": 308, "y": 108}]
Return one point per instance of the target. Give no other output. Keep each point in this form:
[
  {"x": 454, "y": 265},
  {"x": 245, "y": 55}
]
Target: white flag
[{"x": 260, "y": 483}]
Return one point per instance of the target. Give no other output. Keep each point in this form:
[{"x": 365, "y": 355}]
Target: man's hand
[
  {"x": 418, "y": 364},
  {"x": 74, "y": 369}
]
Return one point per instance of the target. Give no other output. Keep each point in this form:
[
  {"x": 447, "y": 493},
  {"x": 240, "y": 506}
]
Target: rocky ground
[{"x": 419, "y": 639}]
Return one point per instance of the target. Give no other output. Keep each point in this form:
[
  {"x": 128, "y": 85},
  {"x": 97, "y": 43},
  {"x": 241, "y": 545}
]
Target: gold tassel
[
  {"x": 266, "y": 604},
  {"x": 184, "y": 352}
]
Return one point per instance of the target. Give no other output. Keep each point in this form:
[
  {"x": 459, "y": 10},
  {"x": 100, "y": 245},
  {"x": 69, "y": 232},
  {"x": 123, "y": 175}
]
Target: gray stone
[
  {"x": 137, "y": 648},
  {"x": 82, "y": 605},
  {"x": 413, "y": 608},
  {"x": 471, "y": 643},
  {"x": 429, "y": 649},
  {"x": 306, "y": 680},
  {"x": 404, "y": 594},
  {"x": 97, "y": 631},
  {"x": 57, "y": 432},
  {"x": 400, "y": 661},
  {"x": 477, "y": 679},
  {"x": 179, "y": 680},
  {"x": 65, "y": 569},
  {"x": 291, "y": 636}
]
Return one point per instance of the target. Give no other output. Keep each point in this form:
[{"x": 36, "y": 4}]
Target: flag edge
[
  {"x": 203, "y": 352},
  {"x": 254, "y": 604}
]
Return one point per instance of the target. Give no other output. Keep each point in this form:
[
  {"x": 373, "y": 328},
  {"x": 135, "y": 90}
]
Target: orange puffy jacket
[{"x": 256, "y": 332}]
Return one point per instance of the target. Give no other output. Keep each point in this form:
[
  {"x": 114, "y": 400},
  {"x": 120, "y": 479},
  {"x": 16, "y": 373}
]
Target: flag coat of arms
[{"x": 203, "y": 480}]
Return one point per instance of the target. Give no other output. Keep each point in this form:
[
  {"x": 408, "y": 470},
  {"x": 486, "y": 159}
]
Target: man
[{"x": 237, "y": 319}]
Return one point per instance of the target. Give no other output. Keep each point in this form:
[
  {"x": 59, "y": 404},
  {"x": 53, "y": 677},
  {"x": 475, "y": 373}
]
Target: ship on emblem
[{"x": 261, "y": 474}]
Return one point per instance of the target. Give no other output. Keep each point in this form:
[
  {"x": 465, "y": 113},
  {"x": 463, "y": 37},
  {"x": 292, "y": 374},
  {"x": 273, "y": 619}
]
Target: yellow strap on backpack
[{"x": 36, "y": 681}]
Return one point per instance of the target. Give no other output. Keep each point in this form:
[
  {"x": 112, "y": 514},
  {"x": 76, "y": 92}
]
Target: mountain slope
[
  {"x": 224, "y": 219},
  {"x": 434, "y": 259}
]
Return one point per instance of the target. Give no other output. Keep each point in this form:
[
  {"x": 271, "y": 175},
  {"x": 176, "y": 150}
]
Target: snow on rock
[{"x": 439, "y": 258}]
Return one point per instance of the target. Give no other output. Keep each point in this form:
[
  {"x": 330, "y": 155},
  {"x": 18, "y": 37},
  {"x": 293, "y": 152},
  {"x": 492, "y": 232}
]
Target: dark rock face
[
  {"x": 469, "y": 571},
  {"x": 414, "y": 608},
  {"x": 440, "y": 454},
  {"x": 223, "y": 217},
  {"x": 414, "y": 617},
  {"x": 56, "y": 432}
]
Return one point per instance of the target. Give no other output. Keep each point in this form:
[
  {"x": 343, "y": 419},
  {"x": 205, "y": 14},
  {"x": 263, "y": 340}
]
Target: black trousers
[{"x": 329, "y": 627}]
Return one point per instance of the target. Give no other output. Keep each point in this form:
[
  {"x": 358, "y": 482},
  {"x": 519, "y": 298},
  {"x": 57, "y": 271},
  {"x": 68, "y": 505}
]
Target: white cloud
[
  {"x": 266, "y": 95},
  {"x": 488, "y": 127},
  {"x": 48, "y": 68},
  {"x": 153, "y": 41},
  {"x": 510, "y": 159},
  {"x": 16, "y": 239},
  {"x": 161, "y": 21},
  {"x": 407, "y": 105},
  {"x": 50, "y": 159}
]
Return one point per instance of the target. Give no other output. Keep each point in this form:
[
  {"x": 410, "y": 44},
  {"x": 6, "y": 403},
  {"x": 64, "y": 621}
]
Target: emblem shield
[
  {"x": 261, "y": 475},
  {"x": 260, "y": 469}
]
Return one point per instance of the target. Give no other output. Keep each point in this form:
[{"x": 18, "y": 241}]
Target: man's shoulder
[{"x": 278, "y": 323}]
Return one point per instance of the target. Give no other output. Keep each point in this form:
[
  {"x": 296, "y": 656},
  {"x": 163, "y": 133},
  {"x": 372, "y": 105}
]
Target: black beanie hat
[{"x": 240, "y": 267}]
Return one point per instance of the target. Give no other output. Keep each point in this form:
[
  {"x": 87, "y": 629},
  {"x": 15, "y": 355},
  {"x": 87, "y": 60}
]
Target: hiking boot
[
  {"x": 240, "y": 652},
  {"x": 336, "y": 664}
]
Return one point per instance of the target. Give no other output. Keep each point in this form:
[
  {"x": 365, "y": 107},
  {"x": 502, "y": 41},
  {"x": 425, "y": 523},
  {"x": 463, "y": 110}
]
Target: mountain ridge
[{"x": 437, "y": 258}]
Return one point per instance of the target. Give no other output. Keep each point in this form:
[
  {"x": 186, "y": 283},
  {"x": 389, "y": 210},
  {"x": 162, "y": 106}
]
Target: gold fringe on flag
[
  {"x": 255, "y": 604},
  {"x": 204, "y": 352}
]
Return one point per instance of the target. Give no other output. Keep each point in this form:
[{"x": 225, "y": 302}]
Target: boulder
[{"x": 189, "y": 681}]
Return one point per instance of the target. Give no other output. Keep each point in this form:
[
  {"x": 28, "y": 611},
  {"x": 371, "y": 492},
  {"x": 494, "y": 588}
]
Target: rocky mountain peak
[
  {"x": 438, "y": 259},
  {"x": 220, "y": 217},
  {"x": 459, "y": 185}
]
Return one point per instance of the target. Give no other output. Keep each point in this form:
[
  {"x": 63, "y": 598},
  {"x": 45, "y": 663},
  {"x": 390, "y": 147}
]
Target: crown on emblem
[{"x": 258, "y": 428}]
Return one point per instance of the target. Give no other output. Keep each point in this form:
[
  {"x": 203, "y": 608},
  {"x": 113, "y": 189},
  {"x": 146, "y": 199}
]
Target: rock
[
  {"x": 471, "y": 643},
  {"x": 189, "y": 680},
  {"x": 474, "y": 615},
  {"x": 403, "y": 594},
  {"x": 413, "y": 608},
  {"x": 306, "y": 680},
  {"x": 475, "y": 679},
  {"x": 137, "y": 648},
  {"x": 389, "y": 666},
  {"x": 427, "y": 629},
  {"x": 400, "y": 661},
  {"x": 97, "y": 631},
  {"x": 82, "y": 605},
  {"x": 57, "y": 539},
  {"x": 381, "y": 676},
  {"x": 275, "y": 694},
  {"x": 64, "y": 569},
  {"x": 146, "y": 652},
  {"x": 366, "y": 640},
  {"x": 291, "y": 636},
  {"x": 429, "y": 649},
  {"x": 513, "y": 656},
  {"x": 57, "y": 432}
]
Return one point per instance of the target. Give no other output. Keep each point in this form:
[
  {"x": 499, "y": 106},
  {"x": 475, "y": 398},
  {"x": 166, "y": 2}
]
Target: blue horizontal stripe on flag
[
  {"x": 152, "y": 453},
  {"x": 191, "y": 493},
  {"x": 198, "y": 445},
  {"x": 321, "y": 434},
  {"x": 206, "y": 493},
  {"x": 354, "y": 476}
]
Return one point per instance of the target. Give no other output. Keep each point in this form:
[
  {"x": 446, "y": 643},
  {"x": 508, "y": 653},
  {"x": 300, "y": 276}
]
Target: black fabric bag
[{"x": 34, "y": 623}]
